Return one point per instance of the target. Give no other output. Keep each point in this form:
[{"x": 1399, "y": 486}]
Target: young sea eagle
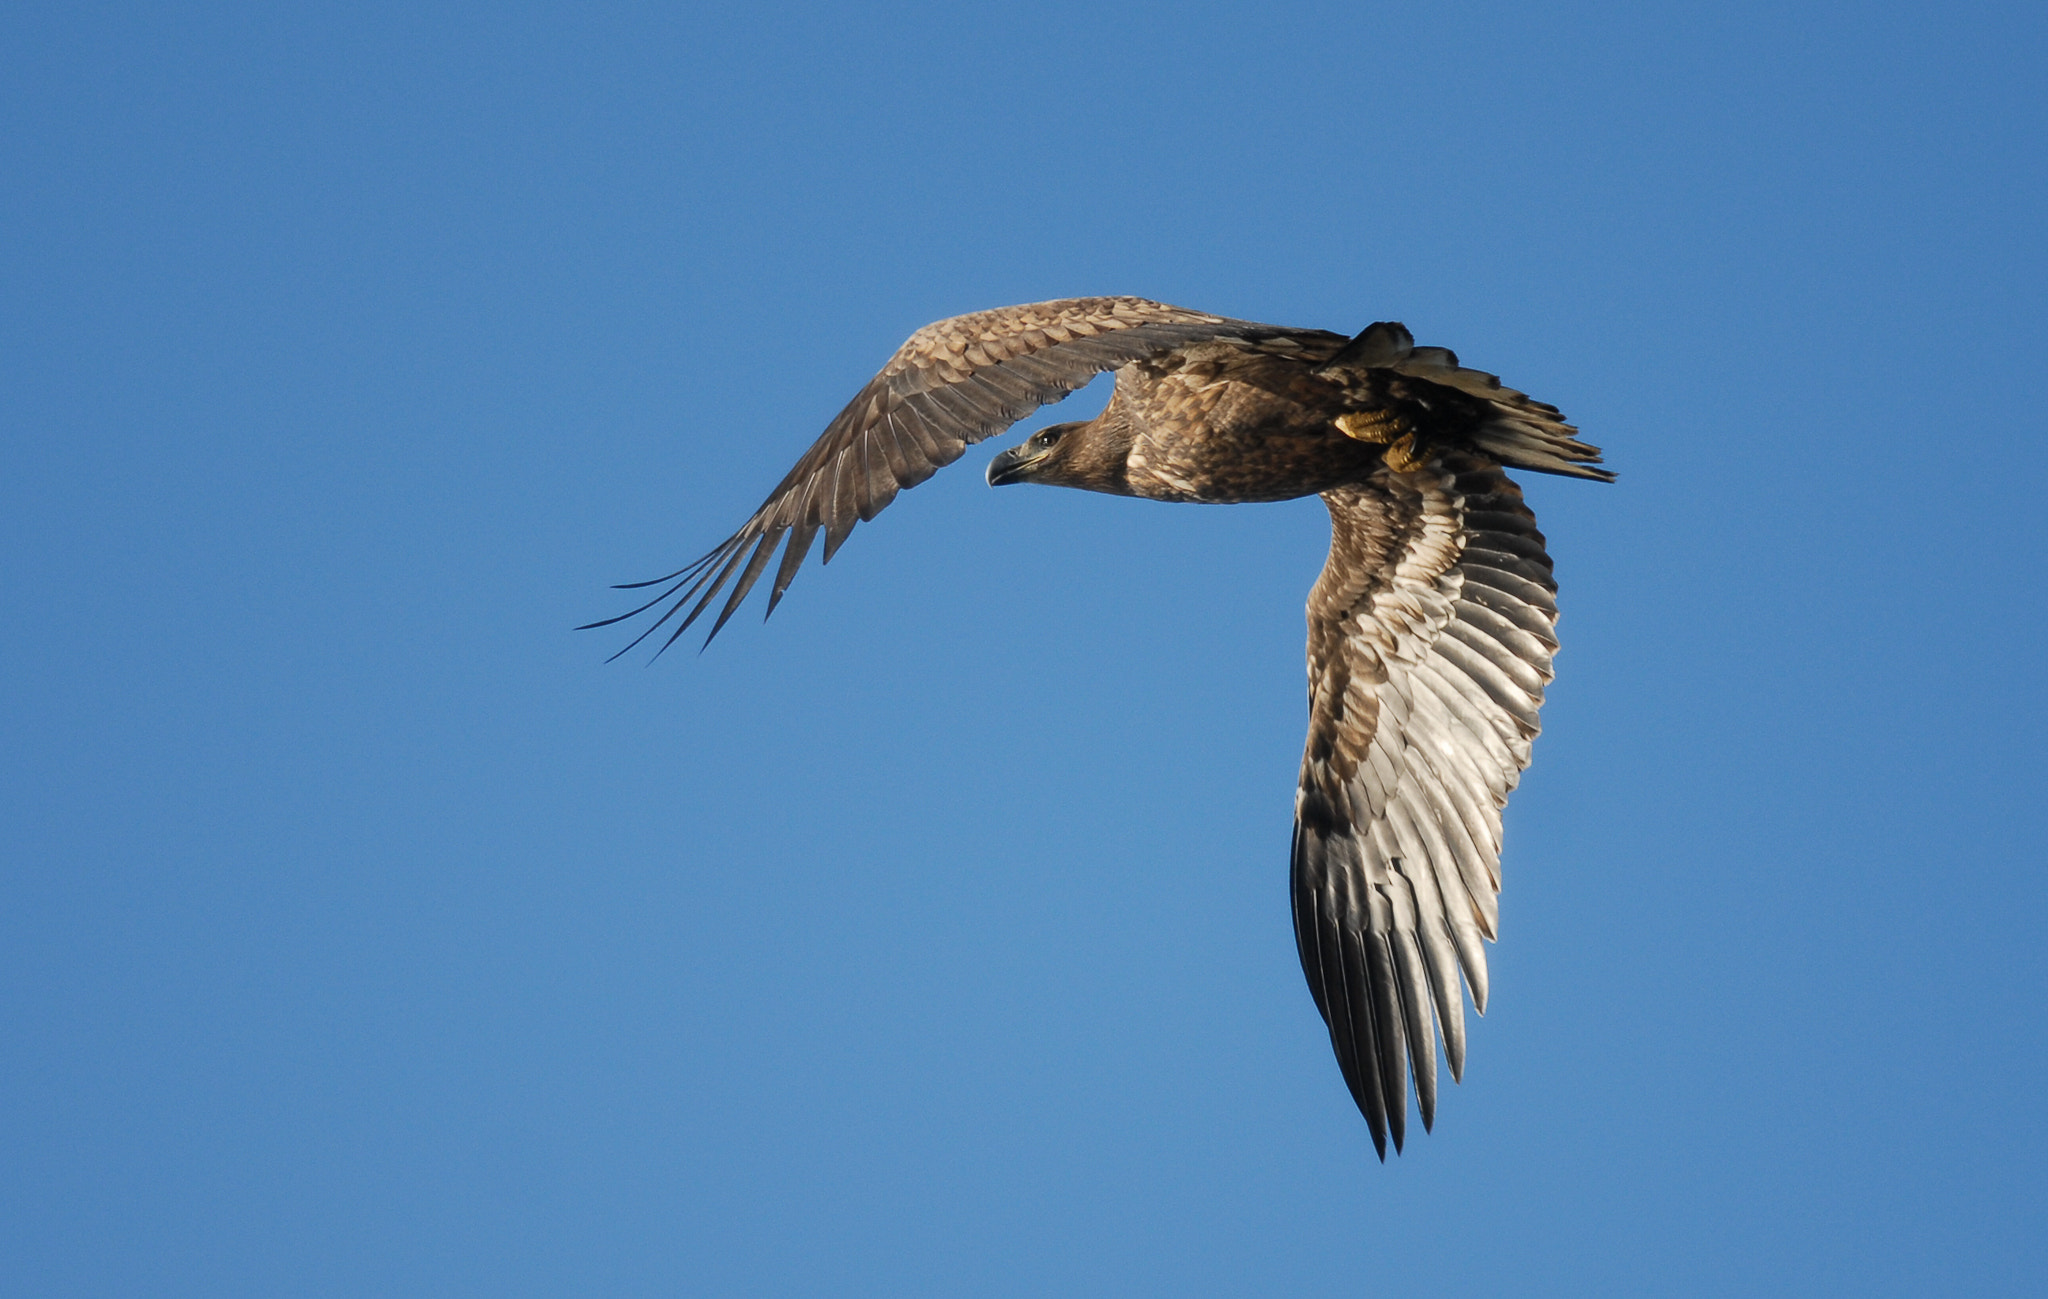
[{"x": 1430, "y": 629}]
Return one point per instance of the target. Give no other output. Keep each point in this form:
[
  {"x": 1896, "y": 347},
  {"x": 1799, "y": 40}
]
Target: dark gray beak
[{"x": 1007, "y": 467}]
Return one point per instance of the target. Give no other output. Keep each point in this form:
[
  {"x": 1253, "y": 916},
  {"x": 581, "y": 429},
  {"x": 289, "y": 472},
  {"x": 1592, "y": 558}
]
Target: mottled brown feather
[{"x": 951, "y": 384}]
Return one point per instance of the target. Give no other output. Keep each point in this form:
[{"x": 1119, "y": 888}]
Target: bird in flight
[{"x": 1430, "y": 629}]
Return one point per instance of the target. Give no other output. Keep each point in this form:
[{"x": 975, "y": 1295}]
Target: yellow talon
[
  {"x": 1376, "y": 426},
  {"x": 1406, "y": 455},
  {"x": 1385, "y": 428}
]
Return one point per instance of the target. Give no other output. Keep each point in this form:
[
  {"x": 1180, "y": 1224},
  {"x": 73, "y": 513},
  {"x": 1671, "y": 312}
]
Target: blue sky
[{"x": 362, "y": 932}]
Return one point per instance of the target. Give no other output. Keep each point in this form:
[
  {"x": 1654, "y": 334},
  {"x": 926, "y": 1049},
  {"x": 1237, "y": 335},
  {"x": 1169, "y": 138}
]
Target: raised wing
[
  {"x": 1430, "y": 638},
  {"x": 952, "y": 384}
]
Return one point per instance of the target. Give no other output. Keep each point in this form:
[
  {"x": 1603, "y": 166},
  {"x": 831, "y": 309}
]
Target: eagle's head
[{"x": 1088, "y": 454}]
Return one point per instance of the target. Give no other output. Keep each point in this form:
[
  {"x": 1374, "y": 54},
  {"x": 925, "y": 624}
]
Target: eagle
[{"x": 1430, "y": 629}]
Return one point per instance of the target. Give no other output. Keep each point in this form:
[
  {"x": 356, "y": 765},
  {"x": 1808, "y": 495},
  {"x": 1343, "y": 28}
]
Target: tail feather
[
  {"x": 1511, "y": 427},
  {"x": 1547, "y": 447}
]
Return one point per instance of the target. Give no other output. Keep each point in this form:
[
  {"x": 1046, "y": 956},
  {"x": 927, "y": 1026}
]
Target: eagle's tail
[{"x": 1514, "y": 429}]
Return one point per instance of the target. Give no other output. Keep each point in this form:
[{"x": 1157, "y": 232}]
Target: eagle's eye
[{"x": 1047, "y": 438}]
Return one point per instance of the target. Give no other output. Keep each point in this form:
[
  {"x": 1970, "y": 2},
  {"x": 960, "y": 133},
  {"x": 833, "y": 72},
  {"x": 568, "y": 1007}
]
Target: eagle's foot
[
  {"x": 1406, "y": 454},
  {"x": 1378, "y": 427}
]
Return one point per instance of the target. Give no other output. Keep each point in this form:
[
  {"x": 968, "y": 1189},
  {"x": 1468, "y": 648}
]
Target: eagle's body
[
  {"x": 1430, "y": 629},
  {"x": 1264, "y": 421}
]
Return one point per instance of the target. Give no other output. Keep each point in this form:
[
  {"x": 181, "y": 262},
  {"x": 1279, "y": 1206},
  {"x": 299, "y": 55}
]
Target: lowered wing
[{"x": 1430, "y": 640}]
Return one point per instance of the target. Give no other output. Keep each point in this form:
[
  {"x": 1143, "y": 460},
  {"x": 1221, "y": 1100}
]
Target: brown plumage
[{"x": 1430, "y": 630}]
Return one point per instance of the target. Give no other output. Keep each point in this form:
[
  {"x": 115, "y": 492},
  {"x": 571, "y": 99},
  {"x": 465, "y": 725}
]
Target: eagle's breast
[{"x": 1214, "y": 433}]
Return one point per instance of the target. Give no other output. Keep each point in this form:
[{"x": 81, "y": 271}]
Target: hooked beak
[{"x": 1007, "y": 467}]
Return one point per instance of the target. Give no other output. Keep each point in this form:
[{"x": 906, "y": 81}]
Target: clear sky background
[{"x": 361, "y": 932}]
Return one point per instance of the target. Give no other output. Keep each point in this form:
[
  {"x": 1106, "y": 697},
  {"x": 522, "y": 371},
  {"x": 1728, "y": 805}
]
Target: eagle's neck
[{"x": 1097, "y": 459}]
